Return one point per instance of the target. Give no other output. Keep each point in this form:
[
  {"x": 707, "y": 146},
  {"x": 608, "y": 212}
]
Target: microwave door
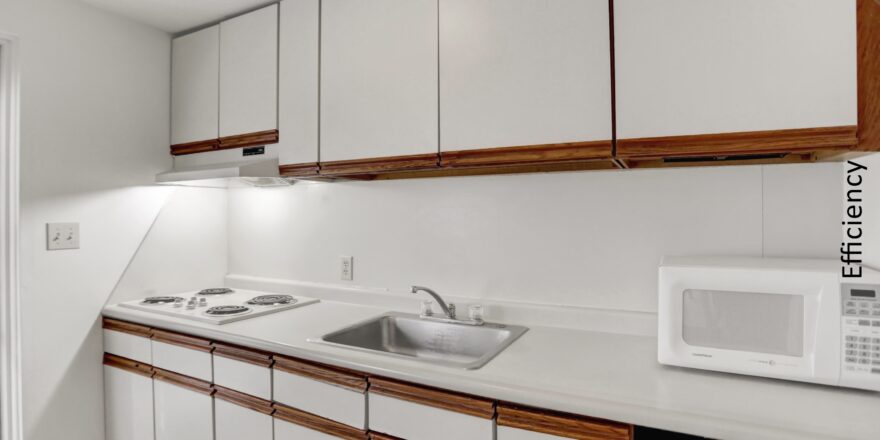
[{"x": 744, "y": 321}]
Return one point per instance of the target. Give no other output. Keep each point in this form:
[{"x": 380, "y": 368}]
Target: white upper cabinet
[
  {"x": 524, "y": 72},
  {"x": 378, "y": 78},
  {"x": 194, "y": 86},
  {"x": 298, "y": 81},
  {"x": 689, "y": 67},
  {"x": 249, "y": 73}
]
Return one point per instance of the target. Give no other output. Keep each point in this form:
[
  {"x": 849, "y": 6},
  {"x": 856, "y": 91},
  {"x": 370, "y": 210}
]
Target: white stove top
[{"x": 219, "y": 306}]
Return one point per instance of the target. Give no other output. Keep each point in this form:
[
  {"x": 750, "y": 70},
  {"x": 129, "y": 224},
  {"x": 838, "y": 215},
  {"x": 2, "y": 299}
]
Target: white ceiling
[{"x": 175, "y": 16}]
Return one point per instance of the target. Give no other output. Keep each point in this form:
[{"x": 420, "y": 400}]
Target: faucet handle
[{"x": 451, "y": 310}]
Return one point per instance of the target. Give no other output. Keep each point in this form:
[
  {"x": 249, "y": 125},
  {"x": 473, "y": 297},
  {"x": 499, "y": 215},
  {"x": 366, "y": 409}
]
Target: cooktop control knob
[{"x": 203, "y": 302}]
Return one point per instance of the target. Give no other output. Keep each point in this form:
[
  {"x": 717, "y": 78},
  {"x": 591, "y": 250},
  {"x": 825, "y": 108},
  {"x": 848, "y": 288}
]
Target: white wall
[
  {"x": 570, "y": 239},
  {"x": 184, "y": 250},
  {"x": 94, "y": 121}
]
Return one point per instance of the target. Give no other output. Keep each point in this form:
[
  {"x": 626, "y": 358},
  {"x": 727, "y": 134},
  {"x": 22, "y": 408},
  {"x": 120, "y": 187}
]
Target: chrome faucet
[{"x": 448, "y": 309}]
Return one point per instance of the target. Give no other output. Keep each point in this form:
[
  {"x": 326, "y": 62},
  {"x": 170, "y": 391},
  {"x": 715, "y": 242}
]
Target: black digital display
[{"x": 862, "y": 293}]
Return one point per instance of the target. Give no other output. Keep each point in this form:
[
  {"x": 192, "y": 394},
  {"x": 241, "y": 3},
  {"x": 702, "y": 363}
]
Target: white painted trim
[{"x": 10, "y": 338}]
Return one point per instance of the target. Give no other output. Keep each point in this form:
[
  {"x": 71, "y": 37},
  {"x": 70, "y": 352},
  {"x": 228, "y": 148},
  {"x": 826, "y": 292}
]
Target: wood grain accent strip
[
  {"x": 868, "y": 42},
  {"x": 249, "y": 355},
  {"x": 340, "y": 377},
  {"x": 531, "y": 154},
  {"x": 299, "y": 170},
  {"x": 380, "y": 164},
  {"x": 190, "y": 383},
  {"x": 311, "y": 421},
  {"x": 380, "y": 436},
  {"x": 243, "y": 400},
  {"x": 448, "y": 400},
  {"x": 127, "y": 327},
  {"x": 128, "y": 365},
  {"x": 561, "y": 424},
  {"x": 248, "y": 139},
  {"x": 186, "y": 341},
  {"x": 743, "y": 143},
  {"x": 195, "y": 147}
]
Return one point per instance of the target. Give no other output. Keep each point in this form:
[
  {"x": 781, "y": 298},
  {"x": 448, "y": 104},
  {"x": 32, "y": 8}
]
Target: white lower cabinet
[
  {"x": 187, "y": 355},
  {"x": 413, "y": 412},
  {"x": 507, "y": 433},
  {"x": 244, "y": 370},
  {"x": 184, "y": 408},
  {"x": 235, "y": 422},
  {"x": 128, "y": 400}
]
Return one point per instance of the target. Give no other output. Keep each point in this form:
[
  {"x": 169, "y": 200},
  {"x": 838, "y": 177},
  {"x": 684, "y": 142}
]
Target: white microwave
[{"x": 780, "y": 318}]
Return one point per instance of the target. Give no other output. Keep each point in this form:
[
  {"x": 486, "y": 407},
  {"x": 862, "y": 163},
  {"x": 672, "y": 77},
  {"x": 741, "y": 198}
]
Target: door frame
[{"x": 10, "y": 336}]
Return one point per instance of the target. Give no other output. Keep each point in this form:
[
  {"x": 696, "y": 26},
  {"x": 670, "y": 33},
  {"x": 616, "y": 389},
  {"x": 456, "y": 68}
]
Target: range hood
[{"x": 224, "y": 169}]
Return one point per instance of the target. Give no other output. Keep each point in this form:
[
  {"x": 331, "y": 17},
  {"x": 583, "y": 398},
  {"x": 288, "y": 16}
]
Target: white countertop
[{"x": 603, "y": 375}]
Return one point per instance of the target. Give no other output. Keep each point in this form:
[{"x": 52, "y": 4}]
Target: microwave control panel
[{"x": 861, "y": 330}]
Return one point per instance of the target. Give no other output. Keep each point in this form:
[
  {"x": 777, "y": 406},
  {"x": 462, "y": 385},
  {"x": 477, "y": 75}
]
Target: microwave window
[{"x": 744, "y": 321}]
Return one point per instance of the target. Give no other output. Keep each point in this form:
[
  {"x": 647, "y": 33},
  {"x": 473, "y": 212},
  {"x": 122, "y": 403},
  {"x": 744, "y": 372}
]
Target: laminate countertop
[{"x": 605, "y": 375}]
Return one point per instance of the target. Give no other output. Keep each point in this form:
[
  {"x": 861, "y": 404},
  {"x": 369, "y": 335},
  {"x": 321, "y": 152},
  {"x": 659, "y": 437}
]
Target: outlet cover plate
[{"x": 346, "y": 269}]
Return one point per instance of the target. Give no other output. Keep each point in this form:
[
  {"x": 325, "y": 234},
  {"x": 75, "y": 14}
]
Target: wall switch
[
  {"x": 62, "y": 236},
  {"x": 345, "y": 268}
]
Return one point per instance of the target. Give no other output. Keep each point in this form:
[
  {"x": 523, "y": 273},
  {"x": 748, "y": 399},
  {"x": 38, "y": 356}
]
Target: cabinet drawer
[
  {"x": 184, "y": 408},
  {"x": 239, "y": 416},
  {"x": 187, "y": 355},
  {"x": 127, "y": 340},
  {"x": 522, "y": 423},
  {"x": 244, "y": 370},
  {"x": 293, "y": 424},
  {"x": 409, "y": 411},
  {"x": 328, "y": 392}
]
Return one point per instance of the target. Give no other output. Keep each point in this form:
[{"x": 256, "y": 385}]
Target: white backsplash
[{"x": 582, "y": 241}]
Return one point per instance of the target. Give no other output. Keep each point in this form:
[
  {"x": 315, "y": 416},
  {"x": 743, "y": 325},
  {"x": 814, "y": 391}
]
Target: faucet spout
[{"x": 449, "y": 311}]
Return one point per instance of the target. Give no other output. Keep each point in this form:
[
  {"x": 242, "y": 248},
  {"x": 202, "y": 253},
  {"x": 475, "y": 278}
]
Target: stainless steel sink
[{"x": 440, "y": 343}]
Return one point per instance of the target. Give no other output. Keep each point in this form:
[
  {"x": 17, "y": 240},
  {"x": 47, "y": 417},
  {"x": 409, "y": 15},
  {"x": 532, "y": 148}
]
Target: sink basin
[{"x": 439, "y": 343}]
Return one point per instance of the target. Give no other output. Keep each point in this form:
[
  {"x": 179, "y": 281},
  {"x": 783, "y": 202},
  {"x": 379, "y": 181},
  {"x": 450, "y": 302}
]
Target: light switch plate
[{"x": 62, "y": 236}]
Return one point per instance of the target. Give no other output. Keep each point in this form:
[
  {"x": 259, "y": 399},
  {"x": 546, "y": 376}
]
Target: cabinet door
[
  {"x": 691, "y": 67},
  {"x": 128, "y": 399},
  {"x": 524, "y": 72},
  {"x": 184, "y": 408},
  {"x": 298, "y": 83},
  {"x": 195, "y": 79},
  {"x": 327, "y": 392},
  {"x": 238, "y": 419},
  {"x": 378, "y": 78},
  {"x": 248, "y": 73},
  {"x": 412, "y": 412}
]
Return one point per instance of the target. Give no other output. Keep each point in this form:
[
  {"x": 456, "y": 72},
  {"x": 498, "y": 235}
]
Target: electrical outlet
[
  {"x": 62, "y": 236},
  {"x": 346, "y": 272}
]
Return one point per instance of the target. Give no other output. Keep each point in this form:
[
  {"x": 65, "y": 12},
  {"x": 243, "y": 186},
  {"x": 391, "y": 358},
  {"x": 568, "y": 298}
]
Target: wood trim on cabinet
[
  {"x": 191, "y": 383},
  {"x": 127, "y": 327},
  {"x": 530, "y": 154},
  {"x": 448, "y": 400},
  {"x": 248, "y": 139},
  {"x": 249, "y": 355},
  {"x": 380, "y": 436},
  {"x": 299, "y": 170},
  {"x": 243, "y": 400},
  {"x": 128, "y": 365},
  {"x": 380, "y": 164},
  {"x": 317, "y": 423},
  {"x": 194, "y": 147},
  {"x": 186, "y": 341},
  {"x": 868, "y": 42},
  {"x": 340, "y": 377},
  {"x": 561, "y": 424},
  {"x": 739, "y": 144}
]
